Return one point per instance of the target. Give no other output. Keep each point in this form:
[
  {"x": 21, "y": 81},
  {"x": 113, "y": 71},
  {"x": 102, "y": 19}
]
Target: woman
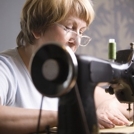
[{"x": 42, "y": 21}]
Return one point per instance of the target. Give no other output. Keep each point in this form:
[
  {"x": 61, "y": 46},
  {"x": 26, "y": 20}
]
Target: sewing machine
[{"x": 57, "y": 72}]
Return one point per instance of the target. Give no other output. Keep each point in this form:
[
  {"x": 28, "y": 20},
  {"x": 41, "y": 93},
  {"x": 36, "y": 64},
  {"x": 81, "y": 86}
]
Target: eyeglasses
[{"x": 83, "y": 39}]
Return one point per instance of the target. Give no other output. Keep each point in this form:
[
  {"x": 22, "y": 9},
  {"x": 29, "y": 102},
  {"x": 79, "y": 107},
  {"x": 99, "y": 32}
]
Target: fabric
[
  {"x": 118, "y": 130},
  {"x": 16, "y": 87}
]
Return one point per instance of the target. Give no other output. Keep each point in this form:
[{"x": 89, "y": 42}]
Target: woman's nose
[{"x": 73, "y": 44}]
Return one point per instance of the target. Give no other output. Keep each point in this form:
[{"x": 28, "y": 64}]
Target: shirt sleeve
[{"x": 7, "y": 82}]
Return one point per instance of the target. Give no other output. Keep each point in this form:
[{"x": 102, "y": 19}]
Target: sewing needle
[{"x": 129, "y": 109}]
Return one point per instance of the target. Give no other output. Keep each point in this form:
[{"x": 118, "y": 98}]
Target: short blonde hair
[{"x": 37, "y": 15}]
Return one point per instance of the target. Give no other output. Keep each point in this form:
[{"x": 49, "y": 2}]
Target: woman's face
[{"x": 65, "y": 32}]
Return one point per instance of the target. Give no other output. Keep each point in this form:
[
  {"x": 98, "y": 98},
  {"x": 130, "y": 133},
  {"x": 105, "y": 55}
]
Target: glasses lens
[{"x": 85, "y": 40}]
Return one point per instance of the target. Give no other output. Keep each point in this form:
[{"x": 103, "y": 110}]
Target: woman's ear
[{"x": 36, "y": 34}]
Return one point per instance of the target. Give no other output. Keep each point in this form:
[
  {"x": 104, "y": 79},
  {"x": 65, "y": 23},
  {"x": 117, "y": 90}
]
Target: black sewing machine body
[
  {"x": 74, "y": 84},
  {"x": 123, "y": 84}
]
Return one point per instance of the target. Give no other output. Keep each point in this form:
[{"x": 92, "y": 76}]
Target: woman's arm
[{"x": 24, "y": 121}]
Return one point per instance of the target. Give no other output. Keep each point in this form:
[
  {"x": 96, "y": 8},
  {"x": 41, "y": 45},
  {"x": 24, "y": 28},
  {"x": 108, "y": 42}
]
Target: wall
[
  {"x": 114, "y": 19},
  {"x": 9, "y": 22}
]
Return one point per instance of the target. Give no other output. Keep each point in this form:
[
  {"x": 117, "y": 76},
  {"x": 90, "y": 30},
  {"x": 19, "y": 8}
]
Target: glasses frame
[{"x": 72, "y": 31}]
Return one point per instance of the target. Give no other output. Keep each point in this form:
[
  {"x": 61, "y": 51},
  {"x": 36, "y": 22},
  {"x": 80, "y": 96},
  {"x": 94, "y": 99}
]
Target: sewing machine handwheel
[{"x": 54, "y": 69}]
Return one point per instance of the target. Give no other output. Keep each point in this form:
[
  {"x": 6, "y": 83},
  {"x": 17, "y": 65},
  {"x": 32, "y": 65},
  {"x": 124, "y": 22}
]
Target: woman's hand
[{"x": 109, "y": 114}]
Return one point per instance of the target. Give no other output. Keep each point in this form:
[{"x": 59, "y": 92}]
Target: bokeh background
[{"x": 113, "y": 19}]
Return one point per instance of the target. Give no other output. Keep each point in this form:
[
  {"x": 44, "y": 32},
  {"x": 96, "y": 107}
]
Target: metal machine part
[{"x": 54, "y": 69}]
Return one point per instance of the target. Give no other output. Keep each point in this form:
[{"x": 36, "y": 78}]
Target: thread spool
[{"x": 112, "y": 49}]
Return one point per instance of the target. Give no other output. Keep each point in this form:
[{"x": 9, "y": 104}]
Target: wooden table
[{"x": 118, "y": 130}]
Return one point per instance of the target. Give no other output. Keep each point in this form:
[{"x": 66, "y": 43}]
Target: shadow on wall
[{"x": 113, "y": 19}]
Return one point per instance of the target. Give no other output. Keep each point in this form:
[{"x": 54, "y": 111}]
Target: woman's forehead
[{"x": 73, "y": 18}]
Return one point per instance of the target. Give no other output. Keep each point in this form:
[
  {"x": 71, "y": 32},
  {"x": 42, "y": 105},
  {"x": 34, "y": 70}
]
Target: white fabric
[{"x": 16, "y": 87}]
